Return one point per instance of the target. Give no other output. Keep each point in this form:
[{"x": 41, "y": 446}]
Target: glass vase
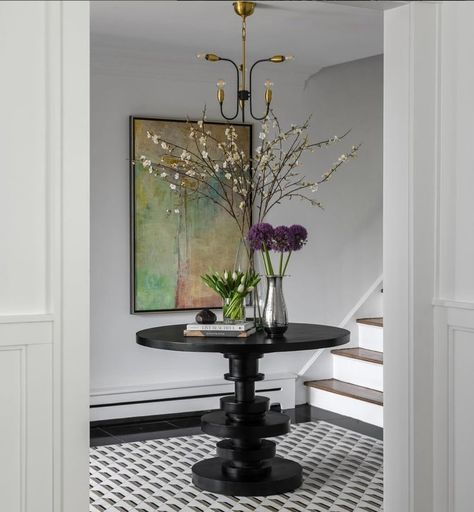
[
  {"x": 243, "y": 256},
  {"x": 233, "y": 310},
  {"x": 244, "y": 261},
  {"x": 275, "y": 317}
]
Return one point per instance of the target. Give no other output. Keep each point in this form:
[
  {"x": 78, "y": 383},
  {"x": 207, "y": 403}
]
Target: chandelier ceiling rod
[{"x": 244, "y": 9}]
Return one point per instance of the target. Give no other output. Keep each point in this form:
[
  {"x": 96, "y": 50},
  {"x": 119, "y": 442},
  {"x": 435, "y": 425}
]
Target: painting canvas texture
[{"x": 175, "y": 237}]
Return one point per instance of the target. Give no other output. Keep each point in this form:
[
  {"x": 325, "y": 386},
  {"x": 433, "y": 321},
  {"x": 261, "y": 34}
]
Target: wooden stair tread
[
  {"x": 363, "y": 354},
  {"x": 378, "y": 322},
  {"x": 346, "y": 389}
]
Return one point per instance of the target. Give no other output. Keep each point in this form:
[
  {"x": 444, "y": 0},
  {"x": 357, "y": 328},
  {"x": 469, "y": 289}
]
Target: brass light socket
[
  {"x": 278, "y": 58},
  {"x": 220, "y": 95},
  {"x": 212, "y": 57},
  {"x": 268, "y": 96},
  {"x": 244, "y": 9}
]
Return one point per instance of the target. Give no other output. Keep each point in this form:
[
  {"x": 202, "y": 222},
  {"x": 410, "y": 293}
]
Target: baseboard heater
[
  {"x": 109, "y": 404},
  {"x": 189, "y": 397}
]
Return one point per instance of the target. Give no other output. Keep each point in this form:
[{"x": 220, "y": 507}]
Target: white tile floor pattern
[{"x": 342, "y": 473}]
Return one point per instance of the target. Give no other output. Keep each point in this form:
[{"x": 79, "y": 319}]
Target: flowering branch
[{"x": 221, "y": 172}]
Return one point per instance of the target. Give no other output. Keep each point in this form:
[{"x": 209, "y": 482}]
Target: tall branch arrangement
[{"x": 221, "y": 172}]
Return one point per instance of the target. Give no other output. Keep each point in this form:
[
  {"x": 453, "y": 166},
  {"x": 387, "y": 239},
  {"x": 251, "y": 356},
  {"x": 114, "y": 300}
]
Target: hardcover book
[
  {"x": 220, "y": 334},
  {"x": 221, "y": 326}
]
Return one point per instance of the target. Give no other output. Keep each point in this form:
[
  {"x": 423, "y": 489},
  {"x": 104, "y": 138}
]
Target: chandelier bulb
[
  {"x": 268, "y": 84},
  {"x": 221, "y": 84},
  {"x": 201, "y": 56},
  {"x": 289, "y": 57}
]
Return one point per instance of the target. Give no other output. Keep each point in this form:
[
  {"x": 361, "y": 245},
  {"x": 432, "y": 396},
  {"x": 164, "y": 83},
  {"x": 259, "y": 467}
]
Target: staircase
[{"x": 356, "y": 389}]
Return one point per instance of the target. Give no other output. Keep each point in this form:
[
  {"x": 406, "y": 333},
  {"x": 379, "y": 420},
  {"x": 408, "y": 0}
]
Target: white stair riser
[
  {"x": 358, "y": 409},
  {"x": 355, "y": 371},
  {"x": 371, "y": 337}
]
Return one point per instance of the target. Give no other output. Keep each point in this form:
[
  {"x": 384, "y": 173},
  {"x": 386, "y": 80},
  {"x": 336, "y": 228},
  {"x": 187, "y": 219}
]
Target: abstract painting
[{"x": 174, "y": 238}]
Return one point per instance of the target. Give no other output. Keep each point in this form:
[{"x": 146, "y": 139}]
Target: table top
[{"x": 297, "y": 337}]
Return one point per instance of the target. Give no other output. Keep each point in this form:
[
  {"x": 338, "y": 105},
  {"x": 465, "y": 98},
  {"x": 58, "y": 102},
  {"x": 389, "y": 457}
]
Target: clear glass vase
[
  {"x": 244, "y": 261},
  {"x": 275, "y": 317},
  {"x": 243, "y": 256},
  {"x": 233, "y": 310}
]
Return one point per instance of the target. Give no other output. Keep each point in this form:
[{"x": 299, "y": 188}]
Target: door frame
[
  {"x": 68, "y": 135},
  {"x": 410, "y": 90}
]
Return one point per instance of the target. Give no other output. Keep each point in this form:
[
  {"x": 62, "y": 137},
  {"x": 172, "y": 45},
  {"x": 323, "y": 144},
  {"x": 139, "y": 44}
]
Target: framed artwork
[{"x": 169, "y": 250}]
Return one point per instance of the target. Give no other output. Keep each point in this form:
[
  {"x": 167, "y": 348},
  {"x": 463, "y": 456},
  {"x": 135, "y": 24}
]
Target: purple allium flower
[
  {"x": 260, "y": 234},
  {"x": 282, "y": 239},
  {"x": 298, "y": 237}
]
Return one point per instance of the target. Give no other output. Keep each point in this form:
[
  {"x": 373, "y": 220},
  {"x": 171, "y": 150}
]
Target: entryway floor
[
  {"x": 342, "y": 472},
  {"x": 159, "y": 427}
]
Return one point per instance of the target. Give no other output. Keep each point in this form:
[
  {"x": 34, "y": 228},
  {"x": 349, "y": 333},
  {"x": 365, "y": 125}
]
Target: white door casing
[
  {"x": 44, "y": 257},
  {"x": 454, "y": 257},
  {"x": 428, "y": 254}
]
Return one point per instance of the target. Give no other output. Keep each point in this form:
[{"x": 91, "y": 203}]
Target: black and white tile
[{"x": 342, "y": 473}]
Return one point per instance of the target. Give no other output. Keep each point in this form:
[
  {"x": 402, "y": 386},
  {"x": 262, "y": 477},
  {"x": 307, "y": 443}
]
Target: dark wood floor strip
[
  {"x": 363, "y": 354},
  {"x": 346, "y": 389}
]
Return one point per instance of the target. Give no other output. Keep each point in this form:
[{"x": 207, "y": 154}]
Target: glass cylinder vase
[
  {"x": 233, "y": 309},
  {"x": 275, "y": 317}
]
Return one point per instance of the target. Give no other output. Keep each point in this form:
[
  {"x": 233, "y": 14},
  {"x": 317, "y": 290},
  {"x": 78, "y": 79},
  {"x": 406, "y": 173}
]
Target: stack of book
[{"x": 220, "y": 329}]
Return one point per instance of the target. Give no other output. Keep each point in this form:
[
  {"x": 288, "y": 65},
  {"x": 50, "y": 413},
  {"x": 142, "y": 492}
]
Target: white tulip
[
  {"x": 241, "y": 288},
  {"x": 234, "y": 276},
  {"x": 226, "y": 275}
]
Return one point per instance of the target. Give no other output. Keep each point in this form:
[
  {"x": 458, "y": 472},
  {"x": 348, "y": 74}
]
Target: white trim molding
[
  {"x": 44, "y": 299},
  {"x": 428, "y": 254},
  {"x": 26, "y": 330},
  {"x": 349, "y": 316},
  {"x": 410, "y": 95}
]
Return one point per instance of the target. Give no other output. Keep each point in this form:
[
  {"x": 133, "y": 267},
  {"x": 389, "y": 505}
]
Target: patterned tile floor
[{"x": 342, "y": 473}]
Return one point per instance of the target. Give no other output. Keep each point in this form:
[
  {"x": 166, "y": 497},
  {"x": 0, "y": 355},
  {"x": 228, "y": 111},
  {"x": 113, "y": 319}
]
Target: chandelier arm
[
  {"x": 251, "y": 95},
  {"x": 238, "y": 87}
]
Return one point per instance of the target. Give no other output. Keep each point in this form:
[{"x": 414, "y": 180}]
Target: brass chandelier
[{"x": 244, "y": 95}]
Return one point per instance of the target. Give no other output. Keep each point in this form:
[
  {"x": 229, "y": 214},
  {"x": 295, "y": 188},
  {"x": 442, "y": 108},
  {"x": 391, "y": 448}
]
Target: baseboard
[{"x": 175, "y": 398}]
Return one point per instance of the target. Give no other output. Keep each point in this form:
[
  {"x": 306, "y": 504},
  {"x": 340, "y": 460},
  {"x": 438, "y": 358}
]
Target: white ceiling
[{"x": 319, "y": 34}]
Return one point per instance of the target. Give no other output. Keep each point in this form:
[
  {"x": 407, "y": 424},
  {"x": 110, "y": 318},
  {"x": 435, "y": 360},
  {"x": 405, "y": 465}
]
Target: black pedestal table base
[{"x": 246, "y": 464}]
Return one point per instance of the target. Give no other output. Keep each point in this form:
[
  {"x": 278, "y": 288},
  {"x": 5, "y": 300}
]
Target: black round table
[{"x": 246, "y": 464}]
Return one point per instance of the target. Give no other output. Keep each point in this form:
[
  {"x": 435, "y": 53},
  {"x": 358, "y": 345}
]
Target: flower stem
[
  {"x": 286, "y": 263},
  {"x": 267, "y": 260}
]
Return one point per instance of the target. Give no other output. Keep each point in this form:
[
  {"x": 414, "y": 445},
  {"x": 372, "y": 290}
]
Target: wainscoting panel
[
  {"x": 39, "y": 430},
  {"x": 461, "y": 416},
  {"x": 44, "y": 267},
  {"x": 12, "y": 420},
  {"x": 24, "y": 230},
  {"x": 453, "y": 407},
  {"x": 26, "y": 428}
]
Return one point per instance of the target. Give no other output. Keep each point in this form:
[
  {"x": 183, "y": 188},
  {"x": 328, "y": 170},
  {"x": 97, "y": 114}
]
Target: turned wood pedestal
[{"x": 246, "y": 464}]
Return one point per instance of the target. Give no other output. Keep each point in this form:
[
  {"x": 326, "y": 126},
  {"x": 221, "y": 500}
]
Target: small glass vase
[
  {"x": 233, "y": 310},
  {"x": 275, "y": 317}
]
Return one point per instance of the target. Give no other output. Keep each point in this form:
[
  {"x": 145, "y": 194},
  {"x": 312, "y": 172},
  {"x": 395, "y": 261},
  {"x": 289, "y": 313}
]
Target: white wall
[
  {"x": 44, "y": 259},
  {"x": 344, "y": 254},
  {"x": 121, "y": 86},
  {"x": 428, "y": 249}
]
